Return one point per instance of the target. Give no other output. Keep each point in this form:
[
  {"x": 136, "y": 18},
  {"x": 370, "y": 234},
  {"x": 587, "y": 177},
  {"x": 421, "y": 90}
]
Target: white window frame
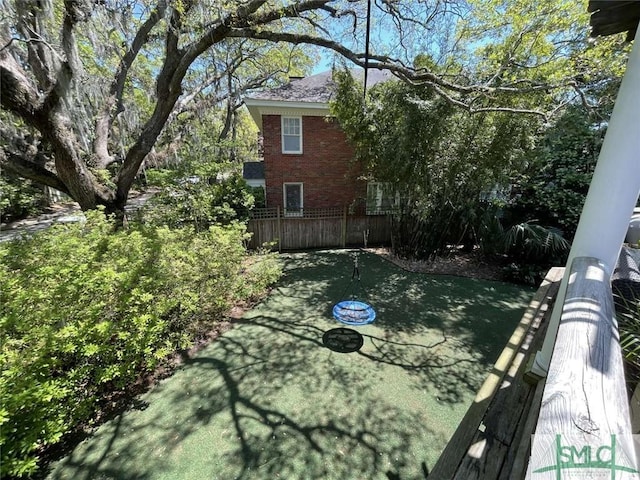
[
  {"x": 379, "y": 197},
  {"x": 284, "y": 199},
  {"x": 282, "y": 134}
]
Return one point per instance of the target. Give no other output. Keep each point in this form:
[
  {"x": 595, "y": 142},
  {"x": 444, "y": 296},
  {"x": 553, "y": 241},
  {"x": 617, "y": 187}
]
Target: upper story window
[{"x": 291, "y": 134}]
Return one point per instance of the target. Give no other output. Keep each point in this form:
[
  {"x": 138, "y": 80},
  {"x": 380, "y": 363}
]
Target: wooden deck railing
[
  {"x": 585, "y": 401},
  {"x": 492, "y": 441},
  {"x": 580, "y": 407}
]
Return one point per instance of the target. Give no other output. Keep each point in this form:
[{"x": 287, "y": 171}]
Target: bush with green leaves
[
  {"x": 532, "y": 250},
  {"x": 85, "y": 310},
  {"x": 625, "y": 286},
  {"x": 199, "y": 194},
  {"x": 629, "y": 326},
  {"x": 19, "y": 197},
  {"x": 548, "y": 196},
  {"x": 444, "y": 162},
  {"x": 259, "y": 197},
  {"x": 527, "y": 248},
  {"x": 553, "y": 188}
]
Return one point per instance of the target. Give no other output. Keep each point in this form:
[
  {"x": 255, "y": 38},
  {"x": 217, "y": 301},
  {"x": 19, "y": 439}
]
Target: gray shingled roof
[
  {"x": 315, "y": 88},
  {"x": 253, "y": 170}
]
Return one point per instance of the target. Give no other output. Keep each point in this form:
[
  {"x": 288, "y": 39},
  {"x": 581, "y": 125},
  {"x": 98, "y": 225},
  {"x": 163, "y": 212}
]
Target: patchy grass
[{"x": 268, "y": 400}]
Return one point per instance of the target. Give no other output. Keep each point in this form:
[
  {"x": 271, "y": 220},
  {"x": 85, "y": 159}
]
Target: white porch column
[{"x": 613, "y": 193}]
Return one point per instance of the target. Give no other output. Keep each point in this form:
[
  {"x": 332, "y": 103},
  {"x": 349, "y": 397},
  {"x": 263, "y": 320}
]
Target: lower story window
[
  {"x": 381, "y": 198},
  {"x": 293, "y": 199}
]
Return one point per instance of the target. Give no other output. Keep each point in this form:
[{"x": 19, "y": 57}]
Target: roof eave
[
  {"x": 257, "y": 105},
  {"x": 259, "y": 102},
  {"x": 609, "y": 17}
]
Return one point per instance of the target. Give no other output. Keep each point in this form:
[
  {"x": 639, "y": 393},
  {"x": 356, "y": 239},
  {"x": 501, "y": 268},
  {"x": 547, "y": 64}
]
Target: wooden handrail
[
  {"x": 486, "y": 444},
  {"x": 585, "y": 401}
]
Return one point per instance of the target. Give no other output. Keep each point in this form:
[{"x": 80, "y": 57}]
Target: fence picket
[{"x": 316, "y": 228}]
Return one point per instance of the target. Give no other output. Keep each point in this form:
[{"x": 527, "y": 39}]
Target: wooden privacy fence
[{"x": 317, "y": 228}]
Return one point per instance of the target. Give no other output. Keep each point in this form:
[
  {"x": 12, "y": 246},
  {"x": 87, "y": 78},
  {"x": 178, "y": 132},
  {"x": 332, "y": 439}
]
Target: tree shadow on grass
[
  {"x": 262, "y": 401},
  {"x": 268, "y": 400}
]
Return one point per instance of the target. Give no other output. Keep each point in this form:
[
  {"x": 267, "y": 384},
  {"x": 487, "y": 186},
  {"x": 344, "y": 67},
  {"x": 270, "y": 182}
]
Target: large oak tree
[{"x": 88, "y": 86}]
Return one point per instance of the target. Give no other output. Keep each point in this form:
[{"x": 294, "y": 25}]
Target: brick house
[{"x": 308, "y": 163}]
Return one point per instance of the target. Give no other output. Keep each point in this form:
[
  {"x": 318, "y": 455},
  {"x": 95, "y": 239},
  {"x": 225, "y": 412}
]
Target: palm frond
[{"x": 534, "y": 239}]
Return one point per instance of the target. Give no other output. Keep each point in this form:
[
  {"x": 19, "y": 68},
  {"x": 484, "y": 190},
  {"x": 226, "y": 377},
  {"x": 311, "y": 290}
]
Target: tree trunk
[{"x": 71, "y": 169}]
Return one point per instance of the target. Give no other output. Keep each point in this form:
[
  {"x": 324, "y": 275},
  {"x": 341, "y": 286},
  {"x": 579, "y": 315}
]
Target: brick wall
[{"x": 325, "y": 167}]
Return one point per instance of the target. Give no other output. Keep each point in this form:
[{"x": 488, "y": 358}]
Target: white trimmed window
[
  {"x": 293, "y": 199},
  {"x": 381, "y": 199},
  {"x": 291, "y": 134}
]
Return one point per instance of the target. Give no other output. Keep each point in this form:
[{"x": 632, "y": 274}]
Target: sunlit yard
[
  {"x": 268, "y": 400},
  {"x": 158, "y": 157}
]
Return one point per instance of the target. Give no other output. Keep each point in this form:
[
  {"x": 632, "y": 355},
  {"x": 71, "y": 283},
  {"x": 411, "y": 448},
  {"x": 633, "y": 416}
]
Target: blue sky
[{"x": 385, "y": 39}]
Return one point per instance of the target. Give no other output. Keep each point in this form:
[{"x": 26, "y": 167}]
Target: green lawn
[{"x": 267, "y": 400}]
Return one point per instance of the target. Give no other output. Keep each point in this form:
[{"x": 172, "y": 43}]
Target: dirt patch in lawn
[{"x": 459, "y": 263}]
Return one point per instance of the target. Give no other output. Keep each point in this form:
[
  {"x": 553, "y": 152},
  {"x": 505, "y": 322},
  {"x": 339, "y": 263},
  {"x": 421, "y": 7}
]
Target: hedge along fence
[{"x": 84, "y": 311}]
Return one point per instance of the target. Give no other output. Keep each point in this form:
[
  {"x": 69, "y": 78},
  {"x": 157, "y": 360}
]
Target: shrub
[
  {"x": 259, "y": 196},
  {"x": 625, "y": 287},
  {"x": 201, "y": 202},
  {"x": 199, "y": 193},
  {"x": 547, "y": 197},
  {"x": 629, "y": 324},
  {"x": 159, "y": 177},
  {"x": 84, "y": 310},
  {"x": 19, "y": 197}
]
